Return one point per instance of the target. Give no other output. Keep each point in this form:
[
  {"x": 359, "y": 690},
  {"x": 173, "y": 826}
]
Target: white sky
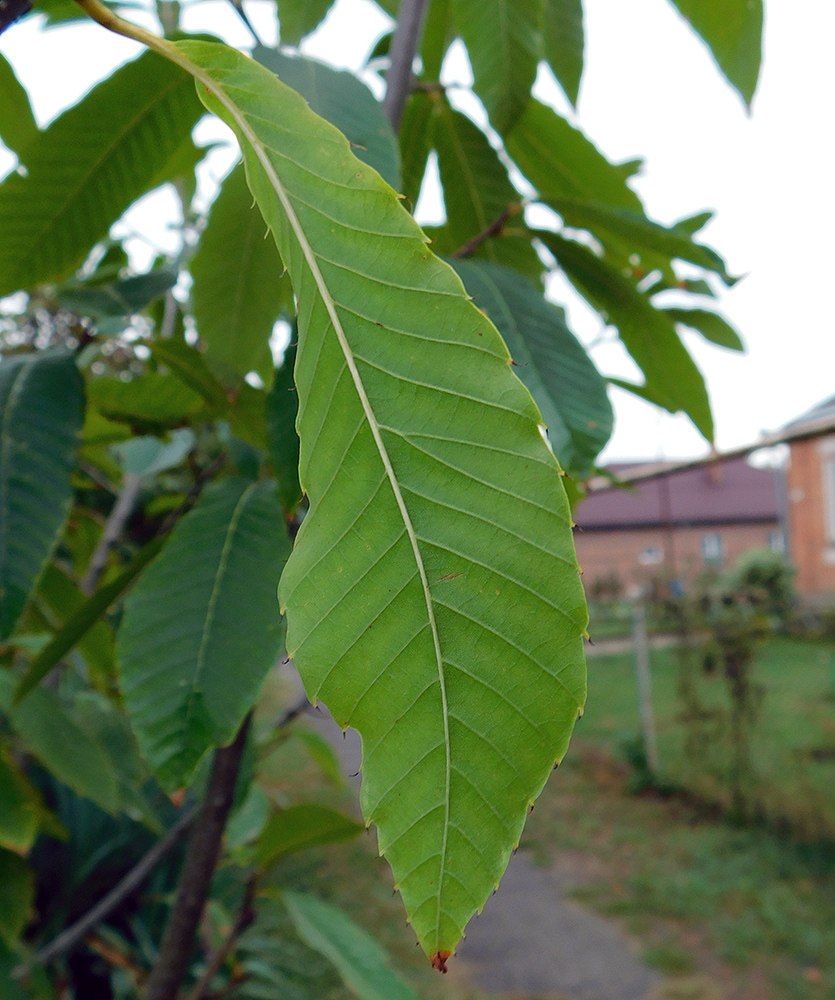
[{"x": 650, "y": 90}]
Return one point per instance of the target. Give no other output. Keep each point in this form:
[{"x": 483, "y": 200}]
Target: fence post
[{"x": 639, "y": 635}]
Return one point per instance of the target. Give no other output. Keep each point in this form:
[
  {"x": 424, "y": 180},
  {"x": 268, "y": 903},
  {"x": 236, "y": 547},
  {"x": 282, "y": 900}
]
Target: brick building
[
  {"x": 810, "y": 483},
  {"x": 676, "y": 521}
]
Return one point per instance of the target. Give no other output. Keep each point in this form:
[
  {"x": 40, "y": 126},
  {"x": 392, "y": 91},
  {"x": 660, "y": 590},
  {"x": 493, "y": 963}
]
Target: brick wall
[
  {"x": 811, "y": 511},
  {"x": 638, "y": 555}
]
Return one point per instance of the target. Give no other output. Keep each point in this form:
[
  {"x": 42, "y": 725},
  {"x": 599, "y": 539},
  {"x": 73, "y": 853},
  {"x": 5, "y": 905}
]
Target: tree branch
[
  {"x": 68, "y": 938},
  {"x": 177, "y": 946},
  {"x": 245, "y": 916},
  {"x": 404, "y": 45},
  {"x": 493, "y": 229},
  {"x": 122, "y": 509}
]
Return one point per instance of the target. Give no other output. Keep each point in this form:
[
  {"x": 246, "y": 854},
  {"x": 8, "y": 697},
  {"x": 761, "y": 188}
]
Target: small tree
[{"x": 156, "y": 467}]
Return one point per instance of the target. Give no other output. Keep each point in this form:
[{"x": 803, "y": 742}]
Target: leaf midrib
[{"x": 312, "y": 262}]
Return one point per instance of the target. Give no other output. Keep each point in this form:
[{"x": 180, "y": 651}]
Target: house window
[
  {"x": 777, "y": 541},
  {"x": 829, "y": 498},
  {"x": 712, "y": 549},
  {"x": 652, "y": 555}
]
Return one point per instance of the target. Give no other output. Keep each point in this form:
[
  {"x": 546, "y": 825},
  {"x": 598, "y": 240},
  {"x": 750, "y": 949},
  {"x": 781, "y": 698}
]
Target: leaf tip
[{"x": 439, "y": 960}]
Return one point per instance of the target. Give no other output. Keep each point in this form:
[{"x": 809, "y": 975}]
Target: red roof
[{"x": 729, "y": 492}]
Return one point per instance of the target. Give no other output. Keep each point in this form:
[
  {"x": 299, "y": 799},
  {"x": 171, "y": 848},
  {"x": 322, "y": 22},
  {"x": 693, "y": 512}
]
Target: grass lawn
[{"x": 792, "y": 744}]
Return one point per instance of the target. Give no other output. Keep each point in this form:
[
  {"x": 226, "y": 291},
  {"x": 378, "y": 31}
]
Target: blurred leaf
[
  {"x": 298, "y": 18},
  {"x": 19, "y": 807},
  {"x": 249, "y": 819},
  {"x": 415, "y": 137},
  {"x": 41, "y": 415},
  {"x": 633, "y": 233},
  {"x": 438, "y": 33},
  {"x": 711, "y": 326},
  {"x": 193, "y": 658},
  {"x": 551, "y": 362},
  {"x": 346, "y": 102},
  {"x": 733, "y": 32},
  {"x": 477, "y": 191},
  {"x": 321, "y": 751},
  {"x": 303, "y": 826},
  {"x": 180, "y": 168},
  {"x": 85, "y": 618},
  {"x": 504, "y": 43},
  {"x": 88, "y": 167},
  {"x": 357, "y": 957},
  {"x": 152, "y": 398},
  {"x": 60, "y": 744},
  {"x": 435, "y": 489},
  {"x": 17, "y": 124},
  {"x": 563, "y": 42},
  {"x": 190, "y": 367},
  {"x": 239, "y": 285},
  {"x": 17, "y": 895},
  {"x": 647, "y": 333},
  {"x": 147, "y": 456},
  {"x": 117, "y": 298},
  {"x": 562, "y": 163},
  {"x": 282, "y": 437},
  {"x": 248, "y": 415}
]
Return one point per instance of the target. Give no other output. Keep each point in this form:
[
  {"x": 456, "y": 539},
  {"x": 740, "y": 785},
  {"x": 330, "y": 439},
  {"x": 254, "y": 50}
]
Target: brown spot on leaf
[{"x": 439, "y": 960}]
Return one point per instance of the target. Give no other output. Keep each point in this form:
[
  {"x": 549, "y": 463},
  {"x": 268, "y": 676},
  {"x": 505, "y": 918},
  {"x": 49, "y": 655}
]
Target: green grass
[{"x": 792, "y": 744}]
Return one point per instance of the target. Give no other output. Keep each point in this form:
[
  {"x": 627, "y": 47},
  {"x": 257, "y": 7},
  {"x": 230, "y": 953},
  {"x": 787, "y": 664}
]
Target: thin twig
[
  {"x": 122, "y": 510},
  {"x": 177, "y": 945},
  {"x": 68, "y": 938},
  {"x": 493, "y": 229},
  {"x": 404, "y": 45},
  {"x": 194, "y": 492},
  {"x": 239, "y": 7},
  {"x": 245, "y": 916}
]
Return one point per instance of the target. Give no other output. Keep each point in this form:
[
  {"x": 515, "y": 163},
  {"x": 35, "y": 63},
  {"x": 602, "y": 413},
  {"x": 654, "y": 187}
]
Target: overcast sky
[{"x": 650, "y": 90}]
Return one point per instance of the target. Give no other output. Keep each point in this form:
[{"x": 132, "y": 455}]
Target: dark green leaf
[
  {"x": 85, "y": 618},
  {"x": 190, "y": 367},
  {"x": 17, "y": 894},
  {"x": 17, "y": 125},
  {"x": 359, "y": 960},
  {"x": 298, "y": 18},
  {"x": 504, "y": 42},
  {"x": 239, "y": 285},
  {"x": 282, "y": 437},
  {"x": 632, "y": 233},
  {"x": 711, "y": 326},
  {"x": 438, "y": 33},
  {"x": 192, "y": 658},
  {"x": 556, "y": 369},
  {"x": 303, "y": 826},
  {"x": 41, "y": 415},
  {"x": 153, "y": 398},
  {"x": 477, "y": 193},
  {"x": 19, "y": 806},
  {"x": 344, "y": 101},
  {"x": 117, "y": 298},
  {"x": 562, "y": 163},
  {"x": 563, "y": 42},
  {"x": 147, "y": 456},
  {"x": 60, "y": 744},
  {"x": 733, "y": 32},
  {"x": 650, "y": 337},
  {"x": 88, "y": 167},
  {"x": 415, "y": 137}
]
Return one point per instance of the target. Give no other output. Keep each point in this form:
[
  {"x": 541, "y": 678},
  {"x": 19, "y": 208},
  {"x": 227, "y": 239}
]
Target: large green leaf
[
  {"x": 238, "y": 291},
  {"x": 17, "y": 125},
  {"x": 562, "y": 163},
  {"x": 415, "y": 138},
  {"x": 88, "y": 167},
  {"x": 433, "y": 597},
  {"x": 477, "y": 192},
  {"x": 563, "y": 42},
  {"x": 192, "y": 658},
  {"x": 345, "y": 102},
  {"x": 733, "y": 31},
  {"x": 551, "y": 362},
  {"x": 359, "y": 960},
  {"x": 711, "y": 326},
  {"x": 673, "y": 380},
  {"x": 41, "y": 414},
  {"x": 17, "y": 892},
  {"x": 302, "y": 826},
  {"x": 504, "y": 42},
  {"x": 438, "y": 32},
  {"x": 71, "y": 753},
  {"x": 152, "y": 398},
  {"x": 117, "y": 298}
]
